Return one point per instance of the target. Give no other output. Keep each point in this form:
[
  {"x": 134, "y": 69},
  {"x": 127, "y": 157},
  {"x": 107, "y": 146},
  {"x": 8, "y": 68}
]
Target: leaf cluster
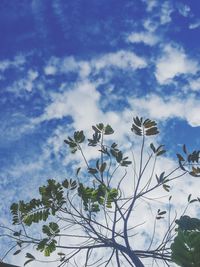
[
  {"x": 74, "y": 142},
  {"x": 143, "y": 127},
  {"x": 94, "y": 198},
  {"x": 189, "y": 162},
  {"x": 185, "y": 248}
]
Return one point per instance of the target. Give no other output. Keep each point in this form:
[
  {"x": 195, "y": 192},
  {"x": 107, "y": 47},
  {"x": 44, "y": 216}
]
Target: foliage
[
  {"x": 101, "y": 209},
  {"x": 186, "y": 245}
]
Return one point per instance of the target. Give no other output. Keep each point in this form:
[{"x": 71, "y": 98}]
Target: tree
[{"x": 95, "y": 212}]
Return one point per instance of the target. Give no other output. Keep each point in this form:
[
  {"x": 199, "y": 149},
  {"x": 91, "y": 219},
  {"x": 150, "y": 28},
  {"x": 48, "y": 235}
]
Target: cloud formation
[{"x": 174, "y": 62}]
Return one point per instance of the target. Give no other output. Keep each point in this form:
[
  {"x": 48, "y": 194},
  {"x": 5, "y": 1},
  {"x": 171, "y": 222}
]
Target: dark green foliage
[
  {"x": 47, "y": 245},
  {"x": 186, "y": 223},
  {"x": 186, "y": 245},
  {"x": 52, "y": 199},
  {"x": 74, "y": 142},
  {"x": 92, "y": 198}
]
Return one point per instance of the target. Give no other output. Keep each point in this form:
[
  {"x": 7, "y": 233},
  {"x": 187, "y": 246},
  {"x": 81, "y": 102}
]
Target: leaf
[
  {"x": 108, "y": 130},
  {"x": 79, "y": 136},
  {"x": 162, "y": 176},
  {"x": 28, "y": 261},
  {"x": 138, "y": 121},
  {"x": 92, "y": 170},
  {"x": 17, "y": 252},
  {"x": 184, "y": 149},
  {"x": 77, "y": 171},
  {"x": 147, "y": 127},
  {"x": 189, "y": 197},
  {"x": 162, "y": 213},
  {"x": 96, "y": 129},
  {"x": 65, "y": 183},
  {"x": 180, "y": 158},
  {"x": 153, "y": 147},
  {"x": 152, "y": 131},
  {"x": 159, "y": 217},
  {"x": 166, "y": 187},
  {"x": 17, "y": 233},
  {"x": 161, "y": 152},
  {"x": 102, "y": 167},
  {"x": 61, "y": 254},
  {"x": 30, "y": 256},
  {"x": 193, "y": 200},
  {"x": 136, "y": 130}
]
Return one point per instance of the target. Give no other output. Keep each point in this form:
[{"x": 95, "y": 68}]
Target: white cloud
[
  {"x": 16, "y": 62},
  {"x": 120, "y": 59},
  {"x": 165, "y": 13},
  {"x": 194, "y": 84},
  {"x": 168, "y": 107},
  {"x": 184, "y": 10},
  {"x": 194, "y": 25},
  {"x": 31, "y": 77},
  {"x": 150, "y": 4},
  {"x": 150, "y": 25},
  {"x": 50, "y": 70},
  {"x": 80, "y": 100},
  {"x": 143, "y": 37},
  {"x": 173, "y": 62},
  {"x": 26, "y": 83}
]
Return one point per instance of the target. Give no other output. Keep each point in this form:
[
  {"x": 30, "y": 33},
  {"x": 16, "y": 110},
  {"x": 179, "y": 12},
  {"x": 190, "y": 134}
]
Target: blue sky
[{"x": 66, "y": 65}]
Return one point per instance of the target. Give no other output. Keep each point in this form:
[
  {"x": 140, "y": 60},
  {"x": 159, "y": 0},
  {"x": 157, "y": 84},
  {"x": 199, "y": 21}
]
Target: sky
[{"x": 66, "y": 65}]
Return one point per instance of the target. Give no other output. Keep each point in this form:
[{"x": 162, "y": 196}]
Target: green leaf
[
  {"x": 79, "y": 137},
  {"x": 100, "y": 126},
  {"x": 108, "y": 130},
  {"x": 96, "y": 129}
]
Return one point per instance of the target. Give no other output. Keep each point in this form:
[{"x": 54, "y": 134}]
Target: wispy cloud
[
  {"x": 173, "y": 62},
  {"x": 195, "y": 24},
  {"x": 143, "y": 37},
  {"x": 17, "y": 62},
  {"x": 166, "y": 11},
  {"x": 121, "y": 59},
  {"x": 163, "y": 108},
  {"x": 183, "y": 9}
]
